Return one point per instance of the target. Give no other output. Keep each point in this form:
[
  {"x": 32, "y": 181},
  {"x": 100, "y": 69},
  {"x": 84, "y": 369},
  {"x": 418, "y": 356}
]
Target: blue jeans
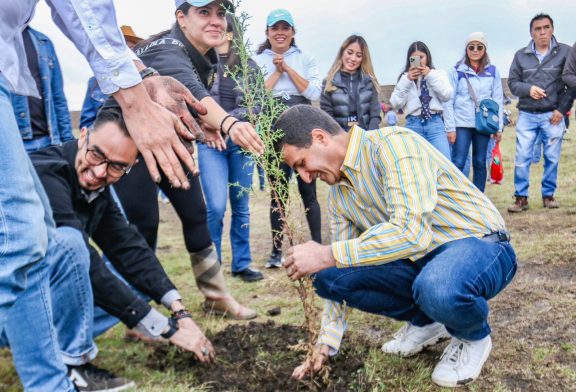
[
  {"x": 432, "y": 130},
  {"x": 528, "y": 127},
  {"x": 450, "y": 285},
  {"x": 26, "y": 226},
  {"x": 71, "y": 296},
  {"x": 261, "y": 177},
  {"x": 460, "y": 151},
  {"x": 37, "y": 144},
  {"x": 221, "y": 172}
]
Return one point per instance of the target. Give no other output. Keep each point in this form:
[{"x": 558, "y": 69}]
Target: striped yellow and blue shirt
[{"x": 397, "y": 198}]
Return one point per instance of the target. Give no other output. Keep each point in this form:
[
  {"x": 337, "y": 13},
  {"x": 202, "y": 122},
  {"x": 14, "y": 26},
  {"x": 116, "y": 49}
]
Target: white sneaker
[
  {"x": 411, "y": 339},
  {"x": 461, "y": 362}
]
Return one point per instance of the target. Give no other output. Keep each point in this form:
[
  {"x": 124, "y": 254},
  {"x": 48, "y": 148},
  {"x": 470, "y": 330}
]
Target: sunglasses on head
[{"x": 475, "y": 47}]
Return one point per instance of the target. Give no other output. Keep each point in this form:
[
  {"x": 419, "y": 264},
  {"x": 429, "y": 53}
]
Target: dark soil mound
[{"x": 257, "y": 357}]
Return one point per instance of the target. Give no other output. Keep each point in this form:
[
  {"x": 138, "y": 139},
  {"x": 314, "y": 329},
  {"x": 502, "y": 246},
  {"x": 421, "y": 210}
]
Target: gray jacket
[
  {"x": 335, "y": 103},
  {"x": 527, "y": 71},
  {"x": 569, "y": 74}
]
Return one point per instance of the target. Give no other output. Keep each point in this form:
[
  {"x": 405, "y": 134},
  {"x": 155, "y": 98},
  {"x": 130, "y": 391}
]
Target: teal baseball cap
[
  {"x": 279, "y": 15},
  {"x": 201, "y": 3}
]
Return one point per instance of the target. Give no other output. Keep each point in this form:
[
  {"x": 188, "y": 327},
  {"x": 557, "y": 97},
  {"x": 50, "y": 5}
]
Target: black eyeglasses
[
  {"x": 475, "y": 47},
  {"x": 96, "y": 157}
]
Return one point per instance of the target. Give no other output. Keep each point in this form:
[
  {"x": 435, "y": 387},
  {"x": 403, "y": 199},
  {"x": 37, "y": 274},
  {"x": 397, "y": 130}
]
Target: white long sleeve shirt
[{"x": 90, "y": 25}]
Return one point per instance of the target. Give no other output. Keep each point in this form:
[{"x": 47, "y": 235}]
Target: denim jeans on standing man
[
  {"x": 528, "y": 128},
  {"x": 460, "y": 151},
  {"x": 451, "y": 285},
  {"x": 26, "y": 232},
  {"x": 432, "y": 130},
  {"x": 228, "y": 172}
]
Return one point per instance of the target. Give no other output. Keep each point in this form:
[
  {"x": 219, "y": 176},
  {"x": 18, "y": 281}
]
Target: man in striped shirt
[{"x": 413, "y": 240}]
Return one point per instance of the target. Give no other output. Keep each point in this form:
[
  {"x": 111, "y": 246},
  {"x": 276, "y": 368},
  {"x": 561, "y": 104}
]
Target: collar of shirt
[
  {"x": 353, "y": 155},
  {"x": 91, "y": 196},
  {"x": 551, "y": 45}
]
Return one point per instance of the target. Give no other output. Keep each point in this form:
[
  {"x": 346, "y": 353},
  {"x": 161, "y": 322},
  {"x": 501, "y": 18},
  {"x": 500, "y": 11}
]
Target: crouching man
[
  {"x": 414, "y": 240},
  {"x": 76, "y": 176}
]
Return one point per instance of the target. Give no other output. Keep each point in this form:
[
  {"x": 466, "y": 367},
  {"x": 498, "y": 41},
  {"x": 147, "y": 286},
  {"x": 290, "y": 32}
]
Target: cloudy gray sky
[{"x": 389, "y": 26}]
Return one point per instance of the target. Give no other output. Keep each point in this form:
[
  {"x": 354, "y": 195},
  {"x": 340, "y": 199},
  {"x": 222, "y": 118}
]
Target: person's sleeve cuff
[
  {"x": 168, "y": 298},
  {"x": 345, "y": 253},
  {"x": 118, "y": 73},
  {"x": 153, "y": 323}
]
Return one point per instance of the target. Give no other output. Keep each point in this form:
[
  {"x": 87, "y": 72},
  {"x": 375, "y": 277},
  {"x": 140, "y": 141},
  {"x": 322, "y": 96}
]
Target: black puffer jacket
[{"x": 336, "y": 103}]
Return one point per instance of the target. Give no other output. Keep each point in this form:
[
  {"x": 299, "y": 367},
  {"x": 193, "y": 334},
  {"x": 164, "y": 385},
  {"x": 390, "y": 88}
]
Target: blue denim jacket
[
  {"x": 93, "y": 101},
  {"x": 55, "y": 104}
]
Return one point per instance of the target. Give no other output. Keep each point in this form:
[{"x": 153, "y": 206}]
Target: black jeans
[
  {"x": 139, "y": 197},
  {"x": 308, "y": 194}
]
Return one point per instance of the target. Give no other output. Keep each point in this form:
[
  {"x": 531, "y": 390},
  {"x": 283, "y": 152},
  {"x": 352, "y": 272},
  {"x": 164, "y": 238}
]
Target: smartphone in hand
[{"x": 414, "y": 61}]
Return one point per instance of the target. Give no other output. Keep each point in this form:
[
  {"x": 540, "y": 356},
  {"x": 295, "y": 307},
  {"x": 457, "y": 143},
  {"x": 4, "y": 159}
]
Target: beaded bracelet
[{"x": 180, "y": 314}]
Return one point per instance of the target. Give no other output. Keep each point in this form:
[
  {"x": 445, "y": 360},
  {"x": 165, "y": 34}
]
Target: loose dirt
[{"x": 257, "y": 357}]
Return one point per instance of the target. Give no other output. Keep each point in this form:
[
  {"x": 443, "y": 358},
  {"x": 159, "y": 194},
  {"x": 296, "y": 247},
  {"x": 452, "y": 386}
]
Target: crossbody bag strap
[{"x": 471, "y": 91}]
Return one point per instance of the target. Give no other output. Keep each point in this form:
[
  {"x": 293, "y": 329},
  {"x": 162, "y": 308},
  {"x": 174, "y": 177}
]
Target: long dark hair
[
  {"x": 267, "y": 45},
  {"x": 421, "y": 47},
  {"x": 233, "y": 58}
]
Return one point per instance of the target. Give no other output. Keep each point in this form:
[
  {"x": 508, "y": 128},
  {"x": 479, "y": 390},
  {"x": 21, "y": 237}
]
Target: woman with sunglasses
[
  {"x": 350, "y": 90},
  {"x": 186, "y": 52},
  {"x": 421, "y": 92},
  {"x": 293, "y": 78},
  {"x": 473, "y": 70}
]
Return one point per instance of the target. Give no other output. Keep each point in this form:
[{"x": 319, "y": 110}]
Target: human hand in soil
[
  {"x": 308, "y": 258},
  {"x": 190, "y": 338},
  {"x": 313, "y": 365}
]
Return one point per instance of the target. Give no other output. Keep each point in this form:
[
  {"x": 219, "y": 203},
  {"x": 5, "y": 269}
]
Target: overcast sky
[{"x": 389, "y": 27}]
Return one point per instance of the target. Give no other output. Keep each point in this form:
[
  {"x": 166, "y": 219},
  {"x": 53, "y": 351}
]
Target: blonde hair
[{"x": 365, "y": 67}]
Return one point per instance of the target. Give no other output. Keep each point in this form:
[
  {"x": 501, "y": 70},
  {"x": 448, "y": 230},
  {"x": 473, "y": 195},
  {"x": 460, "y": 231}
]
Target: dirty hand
[
  {"x": 190, "y": 338},
  {"x": 213, "y": 137},
  {"x": 537, "y": 92},
  {"x": 155, "y": 131},
  {"x": 308, "y": 258},
  {"x": 451, "y": 137},
  {"x": 244, "y": 135},
  {"x": 313, "y": 365},
  {"x": 174, "y": 96},
  {"x": 556, "y": 117}
]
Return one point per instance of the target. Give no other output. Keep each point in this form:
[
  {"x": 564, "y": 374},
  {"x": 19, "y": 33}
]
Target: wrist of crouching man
[{"x": 153, "y": 324}]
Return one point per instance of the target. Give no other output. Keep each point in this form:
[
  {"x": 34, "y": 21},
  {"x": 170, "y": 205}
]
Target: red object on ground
[{"x": 496, "y": 165}]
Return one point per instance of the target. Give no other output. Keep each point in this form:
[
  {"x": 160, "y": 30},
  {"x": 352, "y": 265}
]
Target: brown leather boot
[
  {"x": 520, "y": 205},
  {"x": 550, "y": 202},
  {"x": 210, "y": 281}
]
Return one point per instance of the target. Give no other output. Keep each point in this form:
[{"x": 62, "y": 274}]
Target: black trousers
[
  {"x": 139, "y": 197},
  {"x": 308, "y": 194}
]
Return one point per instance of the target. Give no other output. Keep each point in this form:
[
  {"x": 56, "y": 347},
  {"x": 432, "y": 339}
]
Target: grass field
[{"x": 533, "y": 320}]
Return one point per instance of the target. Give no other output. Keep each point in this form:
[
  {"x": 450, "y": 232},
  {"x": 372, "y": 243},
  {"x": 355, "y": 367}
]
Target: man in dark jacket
[
  {"x": 536, "y": 78},
  {"x": 569, "y": 73},
  {"x": 76, "y": 176}
]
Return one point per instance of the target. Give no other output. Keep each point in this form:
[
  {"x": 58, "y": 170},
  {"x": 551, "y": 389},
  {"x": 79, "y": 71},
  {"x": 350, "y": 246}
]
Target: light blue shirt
[
  {"x": 553, "y": 43},
  {"x": 302, "y": 63},
  {"x": 90, "y": 24}
]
